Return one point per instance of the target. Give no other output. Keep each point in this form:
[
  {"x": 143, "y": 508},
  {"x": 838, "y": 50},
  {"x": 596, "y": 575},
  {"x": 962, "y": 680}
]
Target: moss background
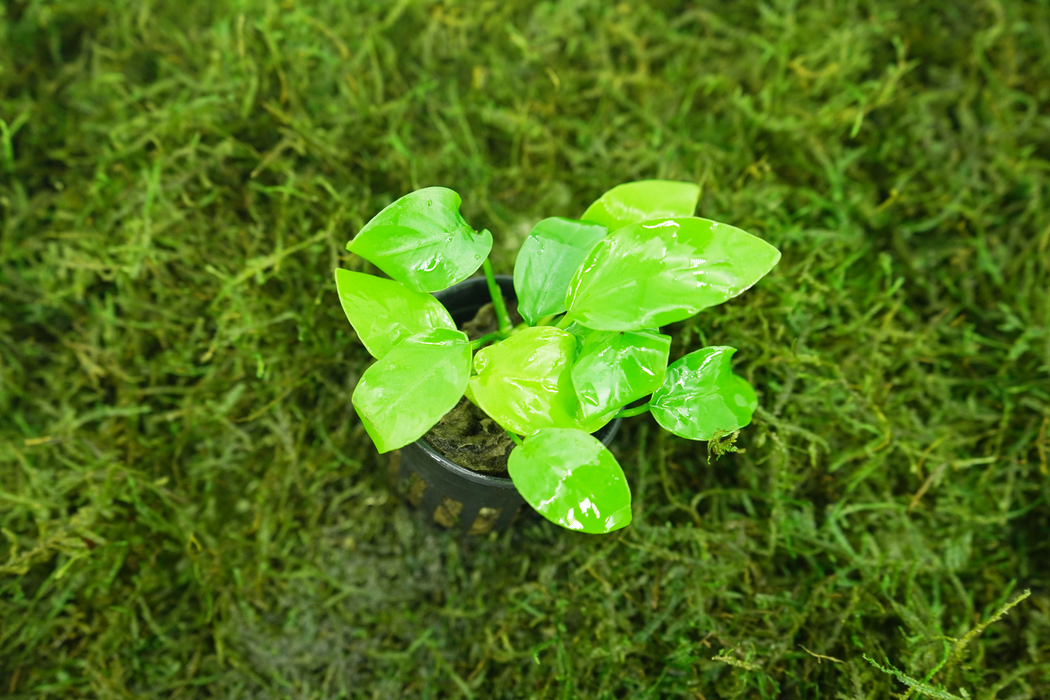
[{"x": 189, "y": 506}]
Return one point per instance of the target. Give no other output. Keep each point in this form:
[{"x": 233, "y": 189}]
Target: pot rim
[{"x": 502, "y": 482}]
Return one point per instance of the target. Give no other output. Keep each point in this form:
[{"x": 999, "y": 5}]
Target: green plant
[{"x": 593, "y": 293}]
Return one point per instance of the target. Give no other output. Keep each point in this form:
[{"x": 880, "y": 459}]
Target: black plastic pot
[{"x": 444, "y": 492}]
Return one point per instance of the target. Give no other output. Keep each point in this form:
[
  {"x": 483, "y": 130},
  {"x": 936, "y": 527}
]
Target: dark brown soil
[
  {"x": 485, "y": 322},
  {"x": 465, "y": 434}
]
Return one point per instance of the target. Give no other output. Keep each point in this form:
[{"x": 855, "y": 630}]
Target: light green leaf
[
  {"x": 633, "y": 202},
  {"x": 402, "y": 396},
  {"x": 546, "y": 262},
  {"x": 524, "y": 383},
  {"x": 422, "y": 241},
  {"x": 701, "y": 396},
  {"x": 571, "y": 479},
  {"x": 385, "y": 312},
  {"x": 614, "y": 368},
  {"x": 665, "y": 270}
]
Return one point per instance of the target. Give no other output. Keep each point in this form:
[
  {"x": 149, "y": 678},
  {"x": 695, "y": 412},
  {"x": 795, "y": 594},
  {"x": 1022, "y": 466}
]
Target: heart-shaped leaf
[
  {"x": 524, "y": 383},
  {"x": 402, "y": 396},
  {"x": 385, "y": 312},
  {"x": 701, "y": 396},
  {"x": 422, "y": 241},
  {"x": 571, "y": 479},
  {"x": 547, "y": 261},
  {"x": 614, "y": 368},
  {"x": 638, "y": 201},
  {"x": 661, "y": 271}
]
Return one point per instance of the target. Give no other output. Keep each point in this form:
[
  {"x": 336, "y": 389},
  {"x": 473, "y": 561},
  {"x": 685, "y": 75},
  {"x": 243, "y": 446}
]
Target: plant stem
[
  {"x": 515, "y": 438},
  {"x": 565, "y": 321},
  {"x": 497, "y": 298},
  {"x": 637, "y": 410},
  {"x": 547, "y": 320},
  {"x": 484, "y": 340}
]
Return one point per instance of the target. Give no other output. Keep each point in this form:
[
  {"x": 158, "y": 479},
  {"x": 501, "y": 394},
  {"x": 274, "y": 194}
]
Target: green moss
[{"x": 189, "y": 506}]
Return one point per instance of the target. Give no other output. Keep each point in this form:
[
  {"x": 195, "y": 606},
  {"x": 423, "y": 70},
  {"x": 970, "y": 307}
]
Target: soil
[
  {"x": 465, "y": 434},
  {"x": 485, "y": 321}
]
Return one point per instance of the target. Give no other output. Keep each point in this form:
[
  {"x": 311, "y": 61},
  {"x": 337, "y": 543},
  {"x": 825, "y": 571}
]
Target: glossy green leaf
[
  {"x": 701, "y": 395},
  {"x": 524, "y": 383},
  {"x": 385, "y": 312},
  {"x": 614, "y": 368},
  {"x": 422, "y": 241},
  {"x": 547, "y": 261},
  {"x": 402, "y": 396},
  {"x": 658, "y": 272},
  {"x": 633, "y": 202},
  {"x": 571, "y": 479}
]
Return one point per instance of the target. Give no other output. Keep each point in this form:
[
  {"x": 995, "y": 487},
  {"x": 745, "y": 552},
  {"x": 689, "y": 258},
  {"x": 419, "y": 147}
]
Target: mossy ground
[{"x": 189, "y": 506}]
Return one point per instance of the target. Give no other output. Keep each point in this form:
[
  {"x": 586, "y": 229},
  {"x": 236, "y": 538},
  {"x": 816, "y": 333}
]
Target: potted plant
[{"x": 592, "y": 294}]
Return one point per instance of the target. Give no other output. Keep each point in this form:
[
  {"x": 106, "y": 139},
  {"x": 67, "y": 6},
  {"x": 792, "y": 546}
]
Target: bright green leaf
[
  {"x": 701, "y": 395},
  {"x": 571, "y": 479},
  {"x": 422, "y": 241},
  {"x": 402, "y": 396},
  {"x": 661, "y": 271},
  {"x": 546, "y": 262},
  {"x": 524, "y": 383},
  {"x": 614, "y": 368},
  {"x": 385, "y": 312},
  {"x": 634, "y": 202}
]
